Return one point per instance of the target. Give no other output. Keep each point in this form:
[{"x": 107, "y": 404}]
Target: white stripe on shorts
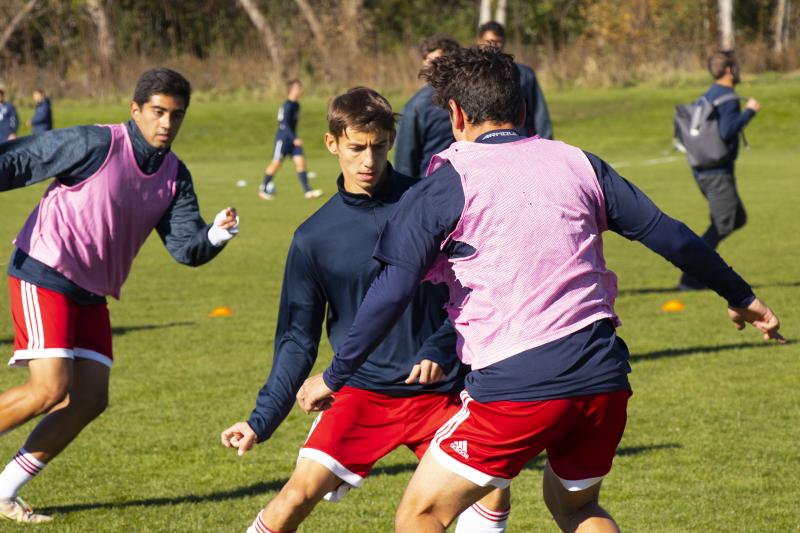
[
  {"x": 33, "y": 315},
  {"x": 278, "y": 154}
]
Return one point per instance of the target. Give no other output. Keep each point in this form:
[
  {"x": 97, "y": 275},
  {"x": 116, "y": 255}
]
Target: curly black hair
[{"x": 483, "y": 81}]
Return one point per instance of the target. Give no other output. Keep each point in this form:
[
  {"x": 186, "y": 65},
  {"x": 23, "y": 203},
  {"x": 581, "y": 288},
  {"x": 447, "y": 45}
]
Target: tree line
[{"x": 97, "y": 46}]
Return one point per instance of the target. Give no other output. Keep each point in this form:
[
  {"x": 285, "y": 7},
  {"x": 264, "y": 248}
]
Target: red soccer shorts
[
  {"x": 489, "y": 443},
  {"x": 48, "y": 324},
  {"x": 363, "y": 426}
]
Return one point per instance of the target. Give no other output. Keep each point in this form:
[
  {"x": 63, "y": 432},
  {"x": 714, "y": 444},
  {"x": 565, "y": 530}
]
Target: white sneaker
[
  {"x": 17, "y": 510},
  {"x": 313, "y": 193}
]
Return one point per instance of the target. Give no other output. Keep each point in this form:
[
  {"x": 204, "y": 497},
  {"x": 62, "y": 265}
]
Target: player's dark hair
[
  {"x": 441, "y": 41},
  {"x": 721, "y": 60},
  {"x": 2, "y": 92},
  {"x": 483, "y": 81},
  {"x": 161, "y": 81},
  {"x": 362, "y": 109},
  {"x": 492, "y": 26},
  {"x": 293, "y": 81}
]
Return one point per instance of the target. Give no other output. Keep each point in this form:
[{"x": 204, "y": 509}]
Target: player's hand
[
  {"x": 227, "y": 219},
  {"x": 225, "y": 227},
  {"x": 314, "y": 395},
  {"x": 11, "y": 136},
  {"x": 753, "y": 104},
  {"x": 761, "y": 316},
  {"x": 298, "y": 142},
  {"x": 240, "y": 436},
  {"x": 426, "y": 371}
]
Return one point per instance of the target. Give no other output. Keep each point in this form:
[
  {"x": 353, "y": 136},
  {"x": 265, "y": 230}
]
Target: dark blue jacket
[
  {"x": 732, "y": 120},
  {"x": 9, "y": 121},
  {"x": 328, "y": 271},
  {"x": 537, "y": 117},
  {"x": 42, "y": 119},
  {"x": 424, "y": 131},
  {"x": 288, "y": 116},
  {"x": 73, "y": 154}
]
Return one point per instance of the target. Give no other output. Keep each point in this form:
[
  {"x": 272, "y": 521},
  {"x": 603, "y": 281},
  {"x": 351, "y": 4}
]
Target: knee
[
  {"x": 89, "y": 405},
  {"x": 296, "y": 498},
  {"x": 408, "y": 515},
  {"x": 47, "y": 395}
]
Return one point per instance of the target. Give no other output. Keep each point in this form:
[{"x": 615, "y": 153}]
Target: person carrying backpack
[{"x": 715, "y": 176}]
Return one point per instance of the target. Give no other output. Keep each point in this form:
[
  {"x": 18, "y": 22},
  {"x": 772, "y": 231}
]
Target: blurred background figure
[
  {"x": 42, "y": 119},
  {"x": 424, "y": 127},
  {"x": 9, "y": 122},
  {"x": 537, "y": 117}
]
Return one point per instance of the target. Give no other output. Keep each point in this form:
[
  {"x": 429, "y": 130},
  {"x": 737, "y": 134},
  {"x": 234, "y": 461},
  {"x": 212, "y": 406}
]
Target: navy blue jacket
[
  {"x": 424, "y": 131},
  {"x": 42, "y": 119},
  {"x": 537, "y": 117},
  {"x": 590, "y": 361},
  {"x": 73, "y": 154},
  {"x": 328, "y": 271},
  {"x": 732, "y": 121},
  {"x": 9, "y": 121}
]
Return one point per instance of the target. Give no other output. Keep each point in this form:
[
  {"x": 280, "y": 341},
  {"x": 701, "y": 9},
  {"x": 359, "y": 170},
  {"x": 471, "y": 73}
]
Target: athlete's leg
[
  {"x": 435, "y": 496},
  {"x": 577, "y": 511},
  {"x": 48, "y": 384},
  {"x": 489, "y": 515},
  {"x": 309, "y": 483},
  {"x": 87, "y": 399}
]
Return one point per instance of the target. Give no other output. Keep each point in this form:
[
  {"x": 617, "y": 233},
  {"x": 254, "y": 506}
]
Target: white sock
[
  {"x": 479, "y": 519},
  {"x": 22, "y": 468}
]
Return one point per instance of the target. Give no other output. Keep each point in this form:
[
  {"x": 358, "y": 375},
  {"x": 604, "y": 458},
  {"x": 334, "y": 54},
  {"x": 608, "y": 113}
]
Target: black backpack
[{"x": 697, "y": 132}]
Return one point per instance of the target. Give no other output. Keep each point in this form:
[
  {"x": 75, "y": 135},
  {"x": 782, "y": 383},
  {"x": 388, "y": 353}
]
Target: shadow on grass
[
  {"x": 122, "y": 330},
  {"x": 233, "y": 494},
  {"x": 697, "y": 350},
  {"x": 674, "y": 288},
  {"x": 275, "y": 485}
]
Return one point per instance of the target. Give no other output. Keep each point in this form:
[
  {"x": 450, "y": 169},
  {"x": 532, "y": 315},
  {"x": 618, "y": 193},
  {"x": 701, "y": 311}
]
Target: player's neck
[{"x": 473, "y": 131}]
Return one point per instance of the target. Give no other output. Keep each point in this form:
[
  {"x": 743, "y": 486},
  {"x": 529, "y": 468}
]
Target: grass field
[{"x": 712, "y": 438}]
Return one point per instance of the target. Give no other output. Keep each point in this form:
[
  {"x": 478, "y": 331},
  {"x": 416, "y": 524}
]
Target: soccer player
[
  {"x": 287, "y": 142},
  {"x": 718, "y": 184},
  {"x": 42, "y": 119},
  {"x": 9, "y": 121},
  {"x": 113, "y": 185},
  {"x": 328, "y": 271},
  {"x": 513, "y": 226},
  {"x": 537, "y": 117},
  {"x": 424, "y": 127}
]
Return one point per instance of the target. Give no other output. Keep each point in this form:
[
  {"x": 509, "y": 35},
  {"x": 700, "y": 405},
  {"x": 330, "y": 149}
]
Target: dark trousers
[{"x": 727, "y": 210}]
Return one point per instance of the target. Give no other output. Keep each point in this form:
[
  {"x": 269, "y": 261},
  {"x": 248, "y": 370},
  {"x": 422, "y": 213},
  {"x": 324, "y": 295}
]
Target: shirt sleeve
[
  {"x": 300, "y": 318},
  {"x": 69, "y": 154},
  {"x": 13, "y": 121},
  {"x": 634, "y": 216},
  {"x": 182, "y": 230},
  {"x": 440, "y": 347},
  {"x": 426, "y": 214},
  {"x": 731, "y": 120},
  {"x": 407, "y": 153}
]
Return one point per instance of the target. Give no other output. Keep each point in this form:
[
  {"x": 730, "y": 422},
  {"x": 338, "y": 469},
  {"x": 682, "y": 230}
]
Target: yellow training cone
[
  {"x": 673, "y": 306},
  {"x": 221, "y": 311}
]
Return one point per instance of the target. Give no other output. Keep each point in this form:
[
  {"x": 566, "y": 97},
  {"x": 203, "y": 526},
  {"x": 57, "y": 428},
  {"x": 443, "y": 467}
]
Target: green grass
[{"x": 711, "y": 443}]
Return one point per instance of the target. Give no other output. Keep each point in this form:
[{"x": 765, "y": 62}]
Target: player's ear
[
  {"x": 135, "y": 109},
  {"x": 332, "y": 143},
  {"x": 392, "y": 138}
]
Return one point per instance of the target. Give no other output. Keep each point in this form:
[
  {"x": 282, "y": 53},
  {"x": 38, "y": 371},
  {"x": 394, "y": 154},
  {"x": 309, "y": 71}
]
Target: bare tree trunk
[
  {"x": 267, "y": 35},
  {"x": 105, "y": 41},
  {"x": 500, "y": 12},
  {"x": 779, "y": 26},
  {"x": 350, "y": 29},
  {"x": 15, "y": 21},
  {"x": 726, "y": 41},
  {"x": 318, "y": 34},
  {"x": 485, "y": 14}
]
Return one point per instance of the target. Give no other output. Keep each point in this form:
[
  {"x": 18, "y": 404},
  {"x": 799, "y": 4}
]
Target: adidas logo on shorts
[{"x": 460, "y": 447}]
